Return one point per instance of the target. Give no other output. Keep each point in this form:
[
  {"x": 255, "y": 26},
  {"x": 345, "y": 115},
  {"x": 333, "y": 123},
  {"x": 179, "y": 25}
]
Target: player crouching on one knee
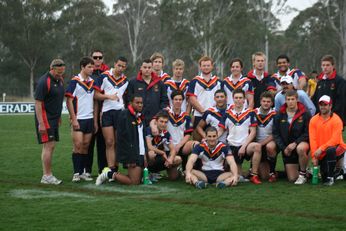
[
  {"x": 212, "y": 154},
  {"x": 131, "y": 146},
  {"x": 161, "y": 151}
]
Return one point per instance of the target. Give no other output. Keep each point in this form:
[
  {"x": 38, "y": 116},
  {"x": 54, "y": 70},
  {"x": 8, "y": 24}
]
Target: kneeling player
[
  {"x": 131, "y": 146},
  {"x": 213, "y": 154},
  {"x": 161, "y": 152}
]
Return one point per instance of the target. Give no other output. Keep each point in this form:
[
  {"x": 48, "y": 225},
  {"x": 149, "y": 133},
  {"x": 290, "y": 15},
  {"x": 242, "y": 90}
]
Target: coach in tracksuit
[{"x": 148, "y": 85}]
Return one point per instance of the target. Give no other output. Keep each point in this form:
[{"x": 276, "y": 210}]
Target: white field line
[
  {"x": 139, "y": 189},
  {"x": 38, "y": 194}
]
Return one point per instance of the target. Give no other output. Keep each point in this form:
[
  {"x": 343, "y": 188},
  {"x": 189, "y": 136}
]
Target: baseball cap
[
  {"x": 57, "y": 63},
  {"x": 325, "y": 99},
  {"x": 286, "y": 79}
]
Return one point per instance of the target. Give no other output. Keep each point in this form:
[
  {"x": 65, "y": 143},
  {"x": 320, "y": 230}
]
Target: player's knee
[
  {"x": 177, "y": 160},
  {"x": 109, "y": 142}
]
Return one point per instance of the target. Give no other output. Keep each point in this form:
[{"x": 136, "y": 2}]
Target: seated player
[
  {"x": 240, "y": 123},
  {"x": 213, "y": 155},
  {"x": 264, "y": 138},
  {"x": 161, "y": 152},
  {"x": 179, "y": 126},
  {"x": 131, "y": 146},
  {"x": 215, "y": 115}
]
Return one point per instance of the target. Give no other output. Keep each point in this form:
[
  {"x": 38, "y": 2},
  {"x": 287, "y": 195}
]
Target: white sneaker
[
  {"x": 86, "y": 177},
  {"x": 101, "y": 178},
  {"x": 76, "y": 177},
  {"x": 301, "y": 180},
  {"x": 242, "y": 179},
  {"x": 50, "y": 180}
]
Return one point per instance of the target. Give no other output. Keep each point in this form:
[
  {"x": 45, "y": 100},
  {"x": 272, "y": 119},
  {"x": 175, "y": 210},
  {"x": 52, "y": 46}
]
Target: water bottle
[
  {"x": 146, "y": 176},
  {"x": 315, "y": 175}
]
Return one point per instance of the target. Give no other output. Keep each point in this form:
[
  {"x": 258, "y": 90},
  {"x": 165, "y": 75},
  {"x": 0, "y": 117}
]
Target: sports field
[{"x": 25, "y": 204}]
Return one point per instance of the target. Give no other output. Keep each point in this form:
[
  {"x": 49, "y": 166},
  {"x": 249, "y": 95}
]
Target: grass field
[{"x": 25, "y": 204}]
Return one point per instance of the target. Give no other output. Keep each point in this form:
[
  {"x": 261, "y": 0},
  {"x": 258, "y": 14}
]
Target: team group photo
[{"x": 172, "y": 115}]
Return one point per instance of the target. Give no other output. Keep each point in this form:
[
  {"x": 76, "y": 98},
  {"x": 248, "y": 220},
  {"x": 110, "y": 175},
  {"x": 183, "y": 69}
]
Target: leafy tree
[{"x": 27, "y": 30}]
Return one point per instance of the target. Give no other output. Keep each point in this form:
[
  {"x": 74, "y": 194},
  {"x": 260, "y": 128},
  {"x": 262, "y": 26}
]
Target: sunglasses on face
[{"x": 97, "y": 57}]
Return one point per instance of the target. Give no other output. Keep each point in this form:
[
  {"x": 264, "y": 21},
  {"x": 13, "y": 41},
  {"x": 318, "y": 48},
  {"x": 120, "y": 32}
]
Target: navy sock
[
  {"x": 272, "y": 164},
  {"x": 80, "y": 161},
  {"x": 75, "y": 162},
  {"x": 112, "y": 171}
]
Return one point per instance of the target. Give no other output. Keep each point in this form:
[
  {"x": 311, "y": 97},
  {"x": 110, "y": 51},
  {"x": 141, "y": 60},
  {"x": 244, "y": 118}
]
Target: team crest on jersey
[
  {"x": 300, "y": 119},
  {"x": 140, "y": 89},
  {"x": 332, "y": 86},
  {"x": 156, "y": 88}
]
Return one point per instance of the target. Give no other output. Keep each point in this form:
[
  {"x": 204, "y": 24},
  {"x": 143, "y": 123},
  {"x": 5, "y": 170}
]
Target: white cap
[
  {"x": 286, "y": 79},
  {"x": 325, "y": 99}
]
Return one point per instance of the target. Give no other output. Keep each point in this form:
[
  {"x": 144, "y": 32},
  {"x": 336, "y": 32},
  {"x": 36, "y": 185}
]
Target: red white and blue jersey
[
  {"x": 264, "y": 124},
  {"x": 160, "y": 141},
  {"x": 172, "y": 86},
  {"x": 238, "y": 125},
  {"x": 212, "y": 159},
  {"x": 229, "y": 85},
  {"x": 296, "y": 75},
  {"x": 82, "y": 92},
  {"x": 204, "y": 91},
  {"x": 213, "y": 117},
  {"x": 179, "y": 126},
  {"x": 109, "y": 85},
  {"x": 164, "y": 76}
]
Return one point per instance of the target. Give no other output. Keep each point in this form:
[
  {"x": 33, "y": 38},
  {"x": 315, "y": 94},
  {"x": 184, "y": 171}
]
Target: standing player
[
  {"x": 240, "y": 123},
  {"x": 99, "y": 68},
  {"x": 264, "y": 138},
  {"x": 158, "y": 62},
  {"x": 261, "y": 80},
  {"x": 291, "y": 135},
  {"x": 161, "y": 151},
  {"x": 215, "y": 115},
  {"x": 299, "y": 78},
  {"x": 49, "y": 96},
  {"x": 235, "y": 81},
  {"x": 111, "y": 88},
  {"x": 202, "y": 89},
  {"x": 326, "y": 141},
  {"x": 131, "y": 146},
  {"x": 333, "y": 85},
  {"x": 153, "y": 91},
  {"x": 213, "y": 154},
  {"x": 178, "y": 83},
  {"x": 80, "y": 104}
]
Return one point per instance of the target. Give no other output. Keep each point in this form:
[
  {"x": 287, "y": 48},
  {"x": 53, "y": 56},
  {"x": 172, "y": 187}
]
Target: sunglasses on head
[
  {"x": 59, "y": 65},
  {"x": 97, "y": 57}
]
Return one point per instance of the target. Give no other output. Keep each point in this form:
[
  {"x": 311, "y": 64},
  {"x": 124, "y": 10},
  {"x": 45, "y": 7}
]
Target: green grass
[{"x": 25, "y": 204}]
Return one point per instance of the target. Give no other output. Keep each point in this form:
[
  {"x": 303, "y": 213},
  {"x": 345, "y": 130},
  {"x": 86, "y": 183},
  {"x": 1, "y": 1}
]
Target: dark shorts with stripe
[
  {"x": 235, "y": 150},
  {"x": 52, "y": 132},
  {"x": 86, "y": 126},
  {"x": 212, "y": 175},
  {"x": 110, "y": 118}
]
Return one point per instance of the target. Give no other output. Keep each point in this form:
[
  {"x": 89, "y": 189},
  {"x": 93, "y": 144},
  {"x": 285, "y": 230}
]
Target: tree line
[{"x": 33, "y": 32}]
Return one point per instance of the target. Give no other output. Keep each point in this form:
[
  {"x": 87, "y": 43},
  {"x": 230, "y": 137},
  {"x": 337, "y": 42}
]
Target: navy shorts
[
  {"x": 292, "y": 159},
  {"x": 51, "y": 135},
  {"x": 237, "y": 158},
  {"x": 212, "y": 175},
  {"x": 196, "y": 121},
  {"x": 139, "y": 162},
  {"x": 110, "y": 118},
  {"x": 159, "y": 164},
  {"x": 86, "y": 126}
]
